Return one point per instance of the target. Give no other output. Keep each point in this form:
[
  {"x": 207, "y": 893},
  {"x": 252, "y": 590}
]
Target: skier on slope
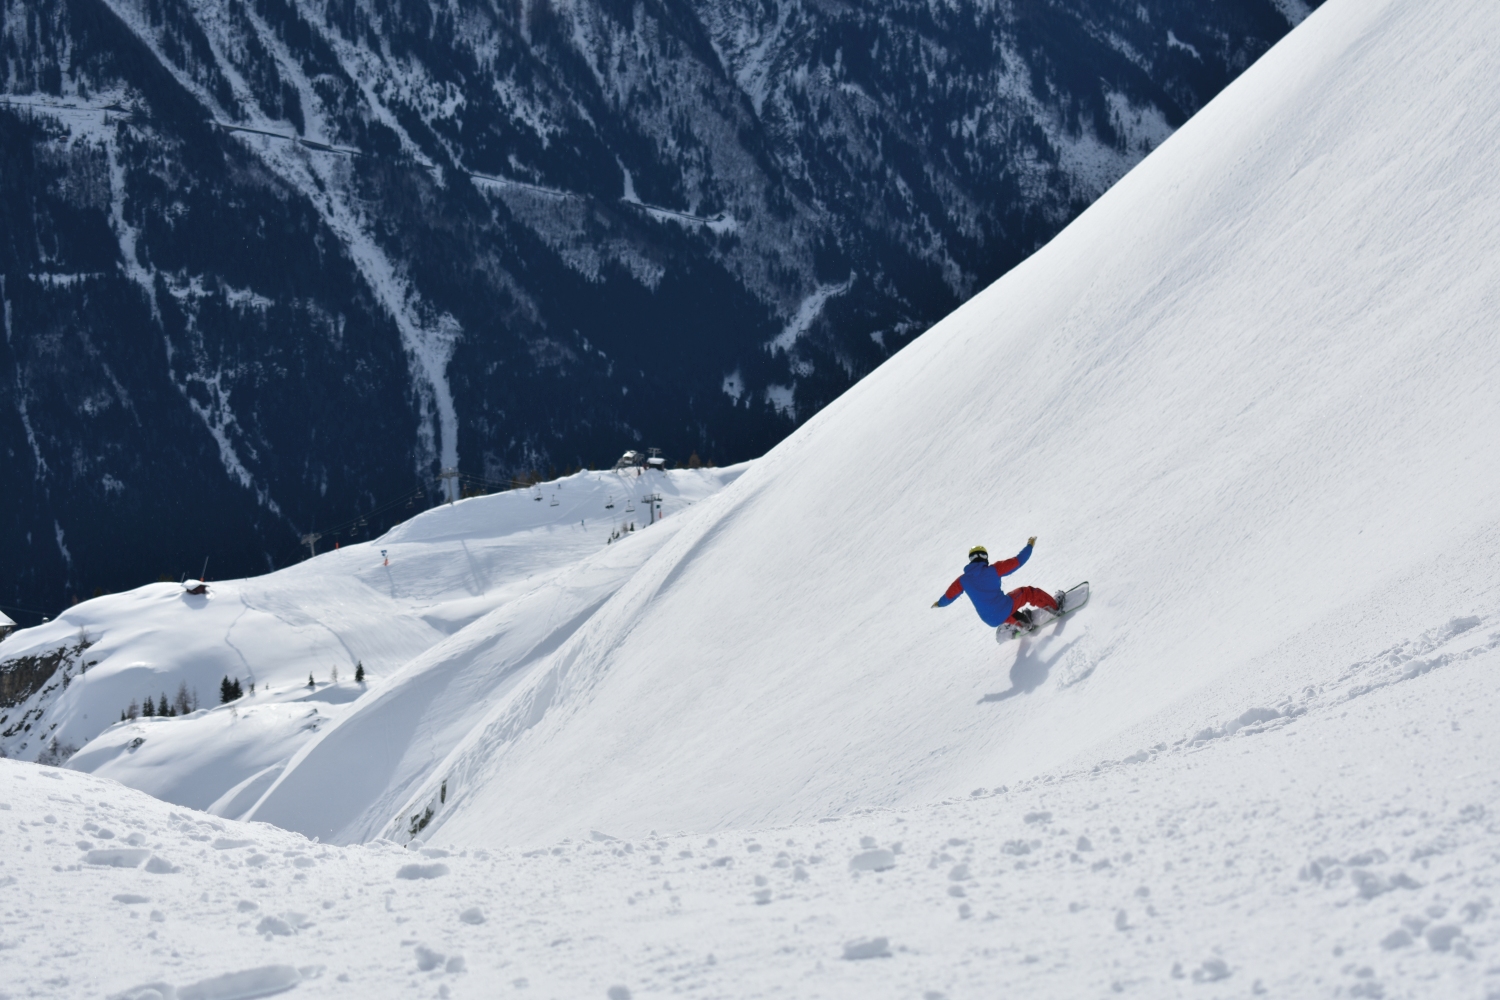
[{"x": 981, "y": 582}]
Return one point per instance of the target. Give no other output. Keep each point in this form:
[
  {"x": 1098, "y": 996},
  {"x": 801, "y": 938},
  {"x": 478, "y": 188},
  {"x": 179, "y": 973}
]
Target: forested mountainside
[{"x": 266, "y": 264}]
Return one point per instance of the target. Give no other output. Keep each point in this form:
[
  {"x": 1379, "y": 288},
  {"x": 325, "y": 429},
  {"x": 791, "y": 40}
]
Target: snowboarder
[{"x": 981, "y": 582}]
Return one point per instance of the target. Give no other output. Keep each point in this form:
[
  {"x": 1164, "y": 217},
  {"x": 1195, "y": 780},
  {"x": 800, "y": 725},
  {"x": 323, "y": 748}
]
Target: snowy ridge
[{"x": 333, "y": 788}]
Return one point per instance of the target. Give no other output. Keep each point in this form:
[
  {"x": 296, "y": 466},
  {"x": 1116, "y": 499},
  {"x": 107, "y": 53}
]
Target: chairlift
[
  {"x": 611, "y": 504},
  {"x": 630, "y": 506}
]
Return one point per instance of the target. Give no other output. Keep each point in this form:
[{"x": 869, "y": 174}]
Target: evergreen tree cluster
[
  {"x": 230, "y": 690},
  {"x": 184, "y": 702}
]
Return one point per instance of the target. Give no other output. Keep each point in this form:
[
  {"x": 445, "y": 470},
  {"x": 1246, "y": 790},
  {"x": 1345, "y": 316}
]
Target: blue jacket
[{"x": 981, "y": 581}]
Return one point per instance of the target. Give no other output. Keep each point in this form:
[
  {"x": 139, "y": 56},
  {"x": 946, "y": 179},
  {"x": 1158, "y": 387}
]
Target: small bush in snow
[{"x": 56, "y": 754}]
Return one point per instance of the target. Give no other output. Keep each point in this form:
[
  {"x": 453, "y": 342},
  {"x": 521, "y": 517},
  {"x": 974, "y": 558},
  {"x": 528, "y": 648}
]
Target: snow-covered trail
[
  {"x": 1347, "y": 850},
  {"x": 1250, "y": 395}
]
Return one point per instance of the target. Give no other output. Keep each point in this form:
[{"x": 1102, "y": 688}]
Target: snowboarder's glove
[{"x": 1031, "y": 540}]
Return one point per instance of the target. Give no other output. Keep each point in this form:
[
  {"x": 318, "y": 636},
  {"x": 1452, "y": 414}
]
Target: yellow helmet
[{"x": 979, "y": 551}]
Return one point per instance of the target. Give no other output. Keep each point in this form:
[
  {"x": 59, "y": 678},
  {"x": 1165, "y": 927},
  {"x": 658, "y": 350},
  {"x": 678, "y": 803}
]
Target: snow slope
[
  {"x": 1348, "y": 851},
  {"x": 1250, "y": 395},
  {"x": 345, "y": 785},
  {"x": 449, "y": 568}
]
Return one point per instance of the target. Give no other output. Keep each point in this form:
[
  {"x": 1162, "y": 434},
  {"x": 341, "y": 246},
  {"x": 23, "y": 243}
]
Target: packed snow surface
[
  {"x": 1346, "y": 850},
  {"x": 1249, "y": 395}
]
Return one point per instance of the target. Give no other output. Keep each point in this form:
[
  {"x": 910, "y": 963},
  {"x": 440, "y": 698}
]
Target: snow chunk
[
  {"x": 418, "y": 871},
  {"x": 873, "y": 861},
  {"x": 867, "y": 948},
  {"x": 117, "y": 857}
]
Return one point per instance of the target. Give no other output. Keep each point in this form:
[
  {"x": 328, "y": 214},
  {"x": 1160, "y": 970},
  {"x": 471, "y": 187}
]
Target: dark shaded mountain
[{"x": 267, "y": 263}]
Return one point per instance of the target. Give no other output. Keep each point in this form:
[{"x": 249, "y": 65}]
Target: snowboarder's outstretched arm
[
  {"x": 951, "y": 594},
  {"x": 1009, "y": 566}
]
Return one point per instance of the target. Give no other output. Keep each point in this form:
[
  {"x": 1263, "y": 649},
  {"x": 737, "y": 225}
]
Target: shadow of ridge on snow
[{"x": 1031, "y": 668}]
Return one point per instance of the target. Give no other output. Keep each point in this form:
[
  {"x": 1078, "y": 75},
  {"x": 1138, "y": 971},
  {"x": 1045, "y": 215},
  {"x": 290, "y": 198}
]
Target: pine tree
[
  {"x": 162, "y": 708},
  {"x": 133, "y": 710},
  {"x": 359, "y": 672},
  {"x": 310, "y": 681},
  {"x": 182, "y": 704},
  {"x": 226, "y": 691},
  {"x": 147, "y": 709},
  {"x": 235, "y": 689}
]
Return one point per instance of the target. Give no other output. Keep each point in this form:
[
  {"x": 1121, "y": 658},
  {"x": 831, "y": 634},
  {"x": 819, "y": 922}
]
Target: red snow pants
[{"x": 1030, "y": 595}]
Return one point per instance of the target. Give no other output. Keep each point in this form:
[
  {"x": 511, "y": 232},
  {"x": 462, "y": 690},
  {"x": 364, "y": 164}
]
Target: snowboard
[{"x": 1073, "y": 600}]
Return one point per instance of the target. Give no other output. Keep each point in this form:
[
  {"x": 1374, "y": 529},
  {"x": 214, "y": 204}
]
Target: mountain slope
[
  {"x": 455, "y": 580},
  {"x": 1249, "y": 394},
  {"x": 266, "y": 263}
]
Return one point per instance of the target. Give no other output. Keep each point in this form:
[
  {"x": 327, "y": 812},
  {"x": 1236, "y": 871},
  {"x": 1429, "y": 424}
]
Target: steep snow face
[
  {"x": 295, "y": 638},
  {"x": 1250, "y": 395}
]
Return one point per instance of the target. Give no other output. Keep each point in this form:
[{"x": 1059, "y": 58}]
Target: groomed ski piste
[{"x": 1249, "y": 395}]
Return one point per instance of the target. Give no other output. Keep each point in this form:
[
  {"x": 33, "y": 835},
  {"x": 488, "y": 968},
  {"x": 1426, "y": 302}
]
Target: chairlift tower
[
  {"x": 311, "y": 540},
  {"x": 653, "y": 507},
  {"x": 450, "y": 476}
]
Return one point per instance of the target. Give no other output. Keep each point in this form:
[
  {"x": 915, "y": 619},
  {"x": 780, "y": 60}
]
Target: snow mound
[{"x": 1250, "y": 395}]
